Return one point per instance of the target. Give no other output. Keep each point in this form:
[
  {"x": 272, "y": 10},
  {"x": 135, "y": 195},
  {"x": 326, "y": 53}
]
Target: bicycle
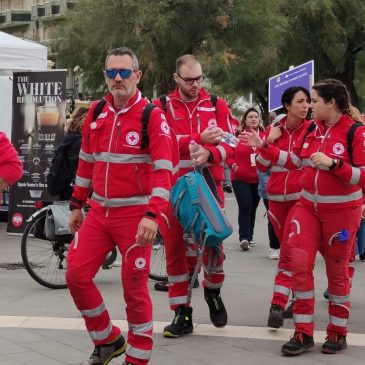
[{"x": 46, "y": 260}]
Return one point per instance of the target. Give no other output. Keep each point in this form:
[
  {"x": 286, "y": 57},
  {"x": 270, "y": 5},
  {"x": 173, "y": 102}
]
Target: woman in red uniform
[
  {"x": 245, "y": 179},
  {"x": 327, "y": 217}
]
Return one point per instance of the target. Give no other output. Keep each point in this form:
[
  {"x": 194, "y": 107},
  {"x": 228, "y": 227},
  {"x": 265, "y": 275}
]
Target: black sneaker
[
  {"x": 227, "y": 188},
  {"x": 196, "y": 283},
  {"x": 325, "y": 294},
  {"x": 334, "y": 344},
  {"x": 182, "y": 324},
  {"x": 162, "y": 285},
  {"x": 276, "y": 319},
  {"x": 103, "y": 354},
  {"x": 217, "y": 310},
  {"x": 298, "y": 343},
  {"x": 288, "y": 311}
]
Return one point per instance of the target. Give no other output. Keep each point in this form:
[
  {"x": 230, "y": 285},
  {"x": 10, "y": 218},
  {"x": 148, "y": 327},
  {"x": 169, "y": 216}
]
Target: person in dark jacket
[{"x": 72, "y": 144}]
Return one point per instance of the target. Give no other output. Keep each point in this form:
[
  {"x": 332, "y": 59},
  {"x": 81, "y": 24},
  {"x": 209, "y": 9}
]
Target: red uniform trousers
[
  {"x": 314, "y": 231},
  {"x": 180, "y": 261},
  {"x": 99, "y": 235},
  {"x": 280, "y": 214}
]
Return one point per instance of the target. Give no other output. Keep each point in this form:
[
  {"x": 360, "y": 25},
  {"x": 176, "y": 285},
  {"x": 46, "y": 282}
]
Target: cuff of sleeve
[
  {"x": 75, "y": 203},
  {"x": 151, "y": 215},
  {"x": 196, "y": 137}
]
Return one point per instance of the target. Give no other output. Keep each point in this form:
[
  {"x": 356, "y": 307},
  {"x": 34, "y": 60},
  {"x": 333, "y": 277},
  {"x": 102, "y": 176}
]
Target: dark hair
[
  {"x": 121, "y": 51},
  {"x": 329, "y": 89},
  {"x": 77, "y": 119},
  {"x": 243, "y": 120},
  {"x": 288, "y": 95}
]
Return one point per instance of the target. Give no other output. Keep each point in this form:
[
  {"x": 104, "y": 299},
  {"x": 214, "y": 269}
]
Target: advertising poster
[{"x": 39, "y": 108}]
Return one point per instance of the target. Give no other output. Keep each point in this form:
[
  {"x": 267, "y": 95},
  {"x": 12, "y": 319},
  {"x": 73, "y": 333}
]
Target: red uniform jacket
[
  {"x": 112, "y": 162},
  {"x": 323, "y": 188},
  {"x": 246, "y": 170},
  {"x": 188, "y": 126},
  {"x": 283, "y": 184},
  {"x": 10, "y": 165}
]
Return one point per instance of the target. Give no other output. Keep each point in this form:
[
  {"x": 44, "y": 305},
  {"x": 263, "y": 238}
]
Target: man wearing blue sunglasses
[{"x": 129, "y": 168}]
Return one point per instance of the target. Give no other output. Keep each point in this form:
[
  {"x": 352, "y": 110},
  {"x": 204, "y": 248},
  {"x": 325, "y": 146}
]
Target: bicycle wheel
[
  {"x": 44, "y": 260},
  {"x": 158, "y": 260}
]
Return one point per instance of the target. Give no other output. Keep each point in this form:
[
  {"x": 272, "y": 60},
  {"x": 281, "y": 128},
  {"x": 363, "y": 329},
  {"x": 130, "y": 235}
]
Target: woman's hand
[
  {"x": 274, "y": 134},
  {"x": 251, "y": 138},
  {"x": 320, "y": 159}
]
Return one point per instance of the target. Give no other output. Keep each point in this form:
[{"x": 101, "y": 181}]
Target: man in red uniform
[
  {"x": 192, "y": 116},
  {"x": 131, "y": 188},
  {"x": 10, "y": 165}
]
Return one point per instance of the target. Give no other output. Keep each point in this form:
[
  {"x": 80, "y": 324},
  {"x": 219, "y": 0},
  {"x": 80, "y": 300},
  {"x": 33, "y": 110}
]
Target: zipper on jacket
[
  {"x": 118, "y": 135},
  {"x": 287, "y": 174},
  {"x": 138, "y": 179},
  {"x": 198, "y": 122}
]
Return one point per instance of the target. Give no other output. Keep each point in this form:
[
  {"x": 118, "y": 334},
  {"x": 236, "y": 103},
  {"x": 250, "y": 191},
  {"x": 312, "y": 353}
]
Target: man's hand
[
  {"x": 251, "y": 138},
  {"x": 200, "y": 156},
  {"x": 211, "y": 135},
  {"x": 320, "y": 159},
  {"x": 3, "y": 185},
  {"x": 275, "y": 133},
  {"x": 146, "y": 232},
  {"x": 76, "y": 220}
]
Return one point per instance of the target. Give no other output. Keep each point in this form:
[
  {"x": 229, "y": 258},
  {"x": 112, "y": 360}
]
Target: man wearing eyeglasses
[
  {"x": 192, "y": 116},
  {"x": 131, "y": 188}
]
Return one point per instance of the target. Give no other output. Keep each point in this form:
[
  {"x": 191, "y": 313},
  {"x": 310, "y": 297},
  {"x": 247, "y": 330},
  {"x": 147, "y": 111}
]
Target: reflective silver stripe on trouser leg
[
  {"x": 94, "y": 312},
  {"x": 282, "y": 290},
  {"x": 101, "y": 335}
]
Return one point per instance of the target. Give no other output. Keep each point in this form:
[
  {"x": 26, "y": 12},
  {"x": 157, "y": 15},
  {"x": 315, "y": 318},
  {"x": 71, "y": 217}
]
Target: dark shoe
[
  {"x": 161, "y": 285},
  {"x": 182, "y": 324},
  {"x": 288, "y": 311},
  {"x": 298, "y": 343},
  {"x": 325, "y": 294},
  {"x": 103, "y": 354},
  {"x": 275, "y": 319},
  {"x": 196, "y": 283},
  {"x": 362, "y": 256},
  {"x": 217, "y": 310},
  {"x": 227, "y": 188},
  {"x": 334, "y": 344}
]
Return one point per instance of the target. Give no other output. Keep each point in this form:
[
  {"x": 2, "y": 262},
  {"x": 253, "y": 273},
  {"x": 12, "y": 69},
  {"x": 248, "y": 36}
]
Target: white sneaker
[
  {"x": 274, "y": 254},
  {"x": 245, "y": 245},
  {"x": 252, "y": 244}
]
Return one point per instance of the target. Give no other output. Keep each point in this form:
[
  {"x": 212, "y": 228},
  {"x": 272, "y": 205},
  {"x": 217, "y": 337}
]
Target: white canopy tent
[{"x": 16, "y": 54}]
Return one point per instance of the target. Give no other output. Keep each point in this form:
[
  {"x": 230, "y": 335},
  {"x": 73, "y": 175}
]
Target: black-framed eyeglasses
[
  {"x": 190, "y": 80},
  {"x": 124, "y": 73}
]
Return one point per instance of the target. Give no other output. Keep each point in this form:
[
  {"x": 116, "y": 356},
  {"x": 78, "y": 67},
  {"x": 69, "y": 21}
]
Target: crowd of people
[{"x": 309, "y": 171}]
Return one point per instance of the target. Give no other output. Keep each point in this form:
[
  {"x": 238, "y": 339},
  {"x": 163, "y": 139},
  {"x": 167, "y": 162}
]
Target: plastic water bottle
[
  {"x": 230, "y": 139},
  {"x": 193, "y": 147}
]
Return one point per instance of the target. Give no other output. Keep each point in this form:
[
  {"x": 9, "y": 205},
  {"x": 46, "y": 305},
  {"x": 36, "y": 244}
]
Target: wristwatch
[{"x": 334, "y": 164}]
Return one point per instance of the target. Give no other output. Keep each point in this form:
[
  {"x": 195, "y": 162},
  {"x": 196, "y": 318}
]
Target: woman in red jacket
[
  {"x": 245, "y": 180},
  {"x": 328, "y": 214}
]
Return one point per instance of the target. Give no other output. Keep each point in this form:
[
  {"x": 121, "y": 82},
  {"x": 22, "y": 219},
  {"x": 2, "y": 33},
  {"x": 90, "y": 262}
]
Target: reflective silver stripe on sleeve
[
  {"x": 211, "y": 285},
  {"x": 341, "y": 322},
  {"x": 162, "y": 165},
  {"x": 81, "y": 181},
  {"x": 303, "y": 318},
  {"x": 355, "y": 177},
  {"x": 332, "y": 198},
  {"x": 161, "y": 192},
  {"x": 141, "y": 328},
  {"x": 183, "y": 299},
  {"x": 121, "y": 157},
  {"x": 283, "y": 157},
  {"x": 304, "y": 294},
  {"x": 281, "y": 289},
  {"x": 178, "y": 278},
  {"x": 262, "y": 161},
  {"x": 285, "y": 272},
  {"x": 185, "y": 163},
  {"x": 175, "y": 170},
  {"x": 138, "y": 353},
  {"x": 279, "y": 169},
  {"x": 309, "y": 163},
  {"x": 283, "y": 198},
  {"x": 94, "y": 312},
  {"x": 295, "y": 159},
  {"x": 338, "y": 299},
  {"x": 120, "y": 202},
  {"x": 222, "y": 151},
  {"x": 88, "y": 157},
  {"x": 101, "y": 335}
]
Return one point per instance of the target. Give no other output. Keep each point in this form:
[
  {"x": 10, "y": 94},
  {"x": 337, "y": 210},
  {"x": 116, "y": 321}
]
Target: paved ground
[{"x": 39, "y": 326}]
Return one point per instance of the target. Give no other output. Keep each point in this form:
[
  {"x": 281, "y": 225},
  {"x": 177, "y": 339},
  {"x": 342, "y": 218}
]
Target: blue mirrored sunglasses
[{"x": 124, "y": 73}]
